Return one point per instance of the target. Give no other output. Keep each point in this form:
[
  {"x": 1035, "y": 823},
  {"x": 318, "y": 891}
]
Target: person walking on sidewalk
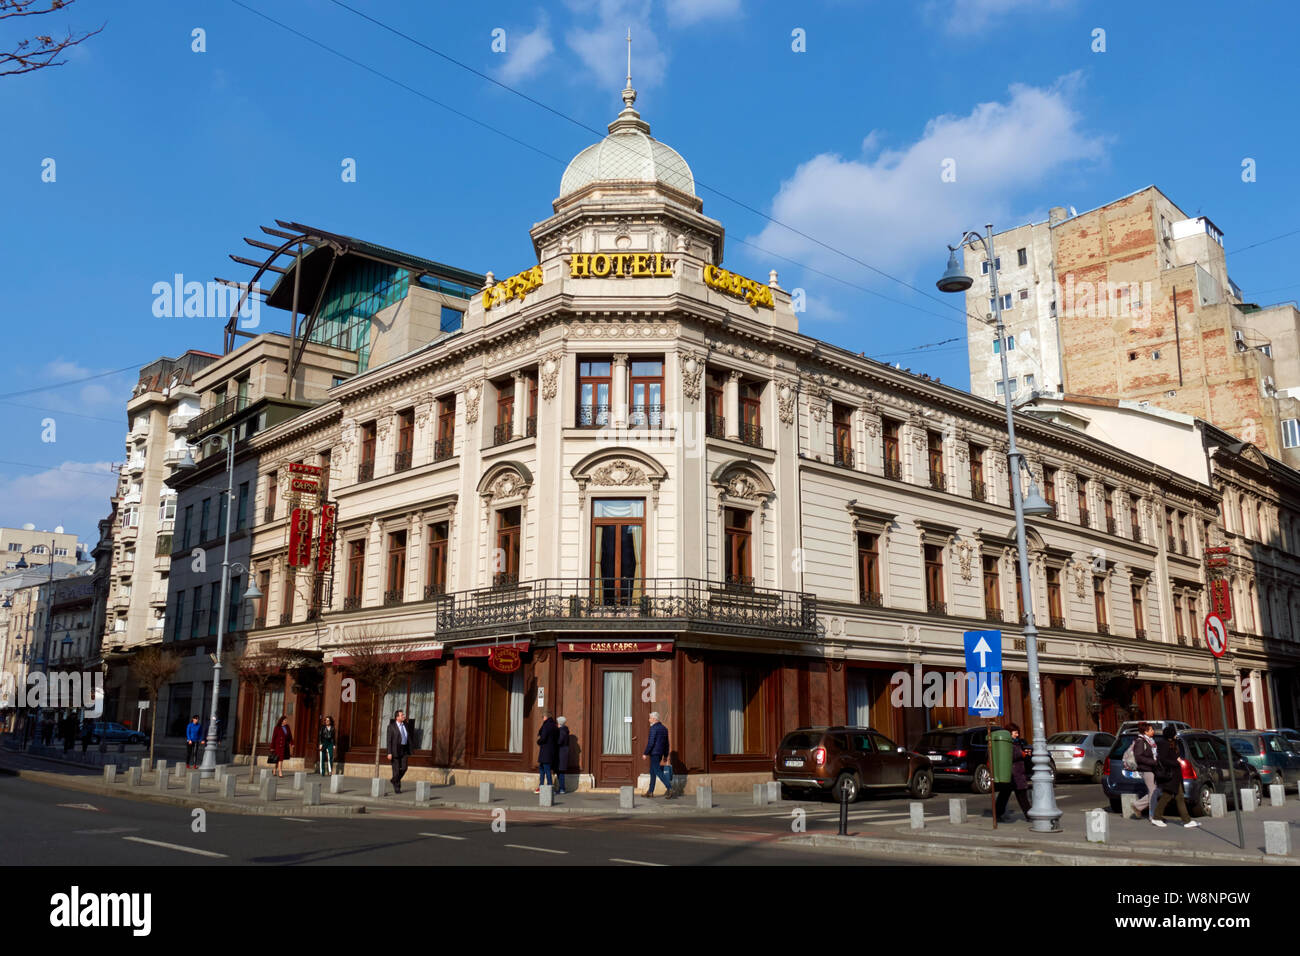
[
  {"x": 656, "y": 749},
  {"x": 325, "y": 746},
  {"x": 548, "y": 740},
  {"x": 1019, "y": 777},
  {"x": 399, "y": 748},
  {"x": 1144, "y": 755},
  {"x": 193, "y": 739},
  {"x": 1169, "y": 775},
  {"x": 561, "y": 750},
  {"x": 281, "y": 744}
]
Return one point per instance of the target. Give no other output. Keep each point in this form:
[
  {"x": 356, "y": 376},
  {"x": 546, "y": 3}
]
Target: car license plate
[
  {"x": 1133, "y": 774},
  {"x": 796, "y": 762}
]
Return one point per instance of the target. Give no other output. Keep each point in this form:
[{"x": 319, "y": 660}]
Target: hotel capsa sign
[{"x": 628, "y": 265}]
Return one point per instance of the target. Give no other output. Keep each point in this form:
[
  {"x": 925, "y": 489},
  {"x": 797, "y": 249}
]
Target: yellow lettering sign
[
  {"x": 755, "y": 293},
  {"x": 516, "y": 287},
  {"x": 640, "y": 265}
]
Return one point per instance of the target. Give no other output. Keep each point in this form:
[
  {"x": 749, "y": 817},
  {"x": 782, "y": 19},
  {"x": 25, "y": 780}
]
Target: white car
[{"x": 1080, "y": 752}]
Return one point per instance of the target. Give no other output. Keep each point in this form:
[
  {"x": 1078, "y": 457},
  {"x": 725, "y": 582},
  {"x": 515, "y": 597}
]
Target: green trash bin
[{"x": 1000, "y": 747}]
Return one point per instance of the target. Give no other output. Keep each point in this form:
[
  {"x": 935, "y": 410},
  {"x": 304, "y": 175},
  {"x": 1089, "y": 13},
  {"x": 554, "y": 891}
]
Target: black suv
[
  {"x": 961, "y": 755},
  {"x": 1204, "y": 759}
]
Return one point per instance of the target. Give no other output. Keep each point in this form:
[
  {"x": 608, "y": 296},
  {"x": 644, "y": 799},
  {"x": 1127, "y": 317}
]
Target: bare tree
[
  {"x": 41, "y": 50},
  {"x": 153, "y": 667},
  {"x": 261, "y": 671},
  {"x": 380, "y": 665}
]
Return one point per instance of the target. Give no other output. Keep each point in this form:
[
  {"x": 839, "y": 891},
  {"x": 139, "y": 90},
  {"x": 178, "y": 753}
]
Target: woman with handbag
[
  {"x": 325, "y": 746},
  {"x": 281, "y": 744}
]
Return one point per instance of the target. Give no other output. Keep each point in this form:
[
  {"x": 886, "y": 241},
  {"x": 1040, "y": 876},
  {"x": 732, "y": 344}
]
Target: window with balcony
[
  {"x": 1181, "y": 519},
  {"x": 1099, "y": 604},
  {"x": 1049, "y": 488},
  {"x": 1134, "y": 522},
  {"x": 595, "y": 387},
  {"x": 530, "y": 422},
  {"x": 715, "y": 421},
  {"x": 241, "y": 514},
  {"x": 992, "y": 589},
  {"x": 167, "y": 509},
  {"x": 366, "y": 467},
  {"x": 617, "y": 548},
  {"x": 1179, "y": 630},
  {"x": 1082, "y": 497},
  {"x": 869, "y": 570},
  {"x": 272, "y": 491},
  {"x": 751, "y": 413},
  {"x": 444, "y": 446},
  {"x": 1055, "y": 611},
  {"x": 435, "y": 579},
  {"x": 646, "y": 394},
  {"x": 842, "y": 421},
  {"x": 505, "y": 570},
  {"x": 1138, "y": 591},
  {"x": 934, "y": 599},
  {"x": 738, "y": 556},
  {"x": 892, "y": 461},
  {"x": 977, "y": 472},
  {"x": 1108, "y": 503},
  {"x": 395, "y": 582},
  {"x": 405, "y": 440},
  {"x": 356, "y": 574},
  {"x": 502, "y": 431},
  {"x": 286, "y": 594},
  {"x": 934, "y": 442}
]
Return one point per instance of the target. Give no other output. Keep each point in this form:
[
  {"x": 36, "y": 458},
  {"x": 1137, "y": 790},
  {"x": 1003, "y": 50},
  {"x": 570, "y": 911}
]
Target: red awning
[
  {"x": 483, "y": 650},
  {"x": 420, "y": 652},
  {"x": 614, "y": 647}
]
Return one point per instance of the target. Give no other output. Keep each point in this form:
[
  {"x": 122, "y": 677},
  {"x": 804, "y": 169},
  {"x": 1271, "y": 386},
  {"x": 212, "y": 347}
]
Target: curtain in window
[
  {"x": 394, "y": 701},
  {"x": 618, "y": 708},
  {"x": 728, "y": 711},
  {"x": 419, "y": 717},
  {"x": 272, "y": 708},
  {"x": 859, "y": 694},
  {"x": 517, "y": 712}
]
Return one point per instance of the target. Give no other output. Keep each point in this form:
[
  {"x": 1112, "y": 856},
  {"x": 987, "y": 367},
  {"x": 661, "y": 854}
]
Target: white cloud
[
  {"x": 526, "y": 52},
  {"x": 684, "y": 13},
  {"x": 601, "y": 43},
  {"x": 894, "y": 211},
  {"x": 75, "y": 494},
  {"x": 965, "y": 15}
]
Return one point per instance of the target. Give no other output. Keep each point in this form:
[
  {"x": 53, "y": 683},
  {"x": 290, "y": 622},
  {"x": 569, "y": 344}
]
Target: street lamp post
[
  {"x": 21, "y": 565},
  {"x": 209, "y": 764},
  {"x": 1044, "y": 814}
]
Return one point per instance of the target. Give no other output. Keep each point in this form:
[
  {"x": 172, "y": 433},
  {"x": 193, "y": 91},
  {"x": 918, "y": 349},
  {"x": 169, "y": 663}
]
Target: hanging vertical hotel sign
[
  {"x": 1221, "y": 599},
  {"x": 1217, "y": 557},
  {"x": 325, "y": 540},
  {"x": 304, "y": 478},
  {"x": 300, "y": 538}
]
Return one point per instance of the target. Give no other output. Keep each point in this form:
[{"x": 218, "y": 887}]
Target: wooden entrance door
[{"x": 619, "y": 723}]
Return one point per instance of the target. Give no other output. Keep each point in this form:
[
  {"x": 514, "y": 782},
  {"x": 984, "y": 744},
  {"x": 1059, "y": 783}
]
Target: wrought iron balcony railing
[
  {"x": 1085, "y": 518},
  {"x": 627, "y": 604},
  {"x": 715, "y": 426},
  {"x": 1110, "y": 525},
  {"x": 843, "y": 456},
  {"x": 977, "y": 491},
  {"x": 501, "y": 433},
  {"x": 937, "y": 607},
  {"x": 503, "y": 579},
  {"x": 365, "y": 471},
  {"x": 871, "y": 599},
  {"x": 993, "y": 614},
  {"x": 402, "y": 461},
  {"x": 443, "y": 448},
  {"x": 259, "y": 622},
  {"x": 593, "y": 416},
  {"x": 352, "y": 602},
  {"x": 286, "y": 617},
  {"x": 938, "y": 481},
  {"x": 530, "y": 426},
  {"x": 751, "y": 434},
  {"x": 1103, "y": 628},
  {"x": 216, "y": 414},
  {"x": 392, "y": 598},
  {"x": 268, "y": 514},
  {"x": 433, "y": 590},
  {"x": 893, "y": 469},
  {"x": 1057, "y": 621},
  {"x": 645, "y": 416},
  {"x": 1140, "y": 633}
]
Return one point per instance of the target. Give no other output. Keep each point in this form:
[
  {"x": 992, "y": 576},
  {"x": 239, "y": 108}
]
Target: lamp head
[
  {"x": 954, "y": 278},
  {"x": 1034, "y": 506},
  {"x": 254, "y": 593}
]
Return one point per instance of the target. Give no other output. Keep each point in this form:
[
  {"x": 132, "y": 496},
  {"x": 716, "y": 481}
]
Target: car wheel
[
  {"x": 921, "y": 785},
  {"x": 847, "y": 783},
  {"x": 1201, "y": 805},
  {"x": 787, "y": 793},
  {"x": 983, "y": 781},
  {"x": 1097, "y": 772},
  {"x": 1257, "y": 785}
]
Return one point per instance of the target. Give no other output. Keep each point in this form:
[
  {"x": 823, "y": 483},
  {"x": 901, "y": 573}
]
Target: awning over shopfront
[
  {"x": 416, "y": 652},
  {"x": 485, "y": 650},
  {"x": 614, "y": 647}
]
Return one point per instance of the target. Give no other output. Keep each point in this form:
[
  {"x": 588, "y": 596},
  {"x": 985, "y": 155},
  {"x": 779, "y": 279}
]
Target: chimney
[{"x": 1056, "y": 214}]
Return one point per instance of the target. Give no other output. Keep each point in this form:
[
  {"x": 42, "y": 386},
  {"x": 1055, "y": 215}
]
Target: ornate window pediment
[
  {"x": 740, "y": 481},
  {"x": 506, "y": 481},
  {"x": 625, "y": 469},
  {"x": 868, "y": 519}
]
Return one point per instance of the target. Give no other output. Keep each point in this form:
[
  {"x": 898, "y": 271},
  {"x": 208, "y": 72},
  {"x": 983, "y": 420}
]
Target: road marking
[
  {"x": 79, "y": 806},
  {"x": 652, "y": 826},
  {"x": 689, "y": 836},
  {"x": 560, "y": 826},
  {"x": 298, "y": 819},
  {"x": 536, "y": 849},
  {"x": 443, "y": 836},
  {"x": 615, "y": 859},
  {"x": 176, "y": 846},
  {"x": 106, "y": 832}
]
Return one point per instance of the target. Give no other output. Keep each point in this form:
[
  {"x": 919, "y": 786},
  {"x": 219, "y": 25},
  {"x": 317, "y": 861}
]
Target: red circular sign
[
  {"x": 1216, "y": 634},
  {"x": 504, "y": 659}
]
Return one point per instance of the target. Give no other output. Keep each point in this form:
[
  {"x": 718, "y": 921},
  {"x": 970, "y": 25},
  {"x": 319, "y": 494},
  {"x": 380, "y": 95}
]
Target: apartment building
[{"x": 38, "y": 547}]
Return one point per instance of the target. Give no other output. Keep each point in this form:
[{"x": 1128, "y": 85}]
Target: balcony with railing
[
  {"x": 179, "y": 421},
  {"x": 1140, "y": 633},
  {"x": 402, "y": 461},
  {"x": 1057, "y": 622},
  {"x": 1103, "y": 628},
  {"x": 627, "y": 604},
  {"x": 365, "y": 471},
  {"x": 843, "y": 457},
  {"x": 593, "y": 416},
  {"x": 173, "y": 455},
  {"x": 268, "y": 514},
  {"x": 135, "y": 464},
  {"x": 286, "y": 617},
  {"x": 530, "y": 426},
  {"x": 443, "y": 449},
  {"x": 645, "y": 416},
  {"x": 937, "y": 607},
  {"x": 715, "y": 426},
  {"x": 938, "y": 481},
  {"x": 259, "y": 622},
  {"x": 1110, "y": 525},
  {"x": 352, "y": 602},
  {"x": 216, "y": 415},
  {"x": 434, "y": 590},
  {"x": 393, "y": 598},
  {"x": 1085, "y": 519},
  {"x": 871, "y": 599},
  {"x": 158, "y": 598},
  {"x": 977, "y": 491},
  {"x": 751, "y": 434},
  {"x": 993, "y": 614},
  {"x": 501, "y": 433},
  {"x": 893, "y": 469}
]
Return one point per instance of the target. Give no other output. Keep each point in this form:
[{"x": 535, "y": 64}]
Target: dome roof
[{"x": 628, "y": 154}]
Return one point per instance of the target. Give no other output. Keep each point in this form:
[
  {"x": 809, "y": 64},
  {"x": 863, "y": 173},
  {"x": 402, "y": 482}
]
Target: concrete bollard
[
  {"x": 133, "y": 776},
  {"x": 1277, "y": 838},
  {"x": 160, "y": 780},
  {"x": 219, "y": 771},
  {"x": 704, "y": 797},
  {"x": 1277, "y": 795},
  {"x": 917, "y": 811},
  {"x": 1248, "y": 804},
  {"x": 421, "y": 791},
  {"x": 773, "y": 791},
  {"x": 485, "y": 792},
  {"x": 110, "y": 773},
  {"x": 336, "y": 783},
  {"x": 264, "y": 774},
  {"x": 160, "y": 767},
  {"x": 546, "y": 795},
  {"x": 299, "y": 778},
  {"x": 1096, "y": 825},
  {"x": 760, "y": 795},
  {"x": 180, "y": 770},
  {"x": 311, "y": 794},
  {"x": 1218, "y": 805},
  {"x": 957, "y": 809},
  {"x": 266, "y": 793},
  {"x": 378, "y": 787},
  {"x": 626, "y": 798},
  {"x": 192, "y": 781},
  {"x": 1126, "y": 801}
]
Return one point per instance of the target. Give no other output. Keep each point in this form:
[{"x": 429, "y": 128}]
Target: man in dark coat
[
  {"x": 399, "y": 748},
  {"x": 562, "y": 750},
  {"x": 1019, "y": 776},
  {"x": 548, "y": 740},
  {"x": 656, "y": 748}
]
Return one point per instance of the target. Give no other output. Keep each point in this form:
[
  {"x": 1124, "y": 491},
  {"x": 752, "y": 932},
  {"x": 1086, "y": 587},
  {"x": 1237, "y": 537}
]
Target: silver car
[{"x": 1080, "y": 752}]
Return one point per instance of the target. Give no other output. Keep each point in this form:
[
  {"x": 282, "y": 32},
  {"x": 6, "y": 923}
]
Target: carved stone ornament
[
  {"x": 1080, "y": 579},
  {"x": 963, "y": 453},
  {"x": 692, "y": 372},
  {"x": 964, "y": 552},
  {"x": 550, "y": 373},
  {"x": 473, "y": 393},
  {"x": 817, "y": 407},
  {"x": 507, "y": 485},
  {"x": 742, "y": 486},
  {"x": 785, "y": 399},
  {"x": 618, "y": 472}
]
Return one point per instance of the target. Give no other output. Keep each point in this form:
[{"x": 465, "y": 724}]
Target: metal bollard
[{"x": 844, "y": 811}]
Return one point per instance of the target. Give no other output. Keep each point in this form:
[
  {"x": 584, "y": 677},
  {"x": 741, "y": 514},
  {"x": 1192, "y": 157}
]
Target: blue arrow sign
[{"x": 983, "y": 651}]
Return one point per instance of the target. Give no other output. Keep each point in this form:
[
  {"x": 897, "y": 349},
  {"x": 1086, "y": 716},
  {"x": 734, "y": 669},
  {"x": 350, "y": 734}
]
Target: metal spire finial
[{"x": 629, "y": 94}]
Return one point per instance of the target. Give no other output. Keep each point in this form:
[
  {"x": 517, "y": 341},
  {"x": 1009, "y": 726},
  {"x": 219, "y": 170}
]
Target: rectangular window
[
  {"x": 1082, "y": 499},
  {"x": 935, "y": 458},
  {"x": 977, "y": 472},
  {"x": 167, "y": 509},
  {"x": 1022, "y": 257},
  {"x": 646, "y": 394},
  {"x": 842, "y": 417},
  {"x": 1134, "y": 522},
  {"x": 1108, "y": 507},
  {"x": 715, "y": 423},
  {"x": 272, "y": 490},
  {"x": 366, "y": 469},
  {"x": 1056, "y": 615},
  {"x": 1006, "y": 304},
  {"x": 1029, "y": 382},
  {"x": 595, "y": 382},
  {"x": 204, "y": 514},
  {"x": 1099, "y": 604},
  {"x": 997, "y": 266},
  {"x": 263, "y": 585},
  {"x": 506, "y": 560},
  {"x": 286, "y": 595},
  {"x": 196, "y": 613},
  {"x": 451, "y": 319},
  {"x": 445, "y": 443},
  {"x": 1179, "y": 629},
  {"x": 233, "y": 605},
  {"x": 241, "y": 516},
  {"x": 223, "y": 506},
  {"x": 737, "y": 711},
  {"x": 356, "y": 573},
  {"x": 1049, "y": 488},
  {"x": 869, "y": 569},
  {"x": 617, "y": 548},
  {"x": 751, "y": 423},
  {"x": 395, "y": 587},
  {"x": 1002, "y": 387},
  {"x": 504, "y": 429},
  {"x": 739, "y": 569},
  {"x": 892, "y": 462},
  {"x": 934, "y": 600},
  {"x": 1137, "y": 590},
  {"x": 503, "y": 718},
  {"x": 992, "y": 589},
  {"x": 214, "y": 607},
  {"x": 435, "y": 581},
  {"x": 179, "y": 621},
  {"x": 405, "y": 439},
  {"x": 1020, "y": 596}
]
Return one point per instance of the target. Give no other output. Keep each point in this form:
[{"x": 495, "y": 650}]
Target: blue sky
[{"x": 164, "y": 158}]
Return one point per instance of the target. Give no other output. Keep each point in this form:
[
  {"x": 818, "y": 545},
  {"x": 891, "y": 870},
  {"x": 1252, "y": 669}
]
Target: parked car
[
  {"x": 961, "y": 755},
  {"x": 1271, "y": 754},
  {"x": 1157, "y": 726},
  {"x": 112, "y": 733},
  {"x": 1204, "y": 759},
  {"x": 1080, "y": 752},
  {"x": 826, "y": 759},
  {"x": 1292, "y": 736}
]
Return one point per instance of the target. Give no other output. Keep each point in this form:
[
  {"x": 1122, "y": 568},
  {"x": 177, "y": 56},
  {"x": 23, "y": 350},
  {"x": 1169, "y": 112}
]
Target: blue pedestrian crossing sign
[{"x": 984, "y": 673}]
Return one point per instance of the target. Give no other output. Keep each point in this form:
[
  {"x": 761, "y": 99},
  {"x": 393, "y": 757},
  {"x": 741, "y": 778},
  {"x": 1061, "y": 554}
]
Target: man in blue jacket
[
  {"x": 193, "y": 740},
  {"x": 656, "y": 749}
]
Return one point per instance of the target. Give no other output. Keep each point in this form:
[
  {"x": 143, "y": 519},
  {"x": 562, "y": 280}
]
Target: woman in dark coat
[
  {"x": 281, "y": 744},
  {"x": 1169, "y": 778},
  {"x": 546, "y": 751},
  {"x": 562, "y": 750}
]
